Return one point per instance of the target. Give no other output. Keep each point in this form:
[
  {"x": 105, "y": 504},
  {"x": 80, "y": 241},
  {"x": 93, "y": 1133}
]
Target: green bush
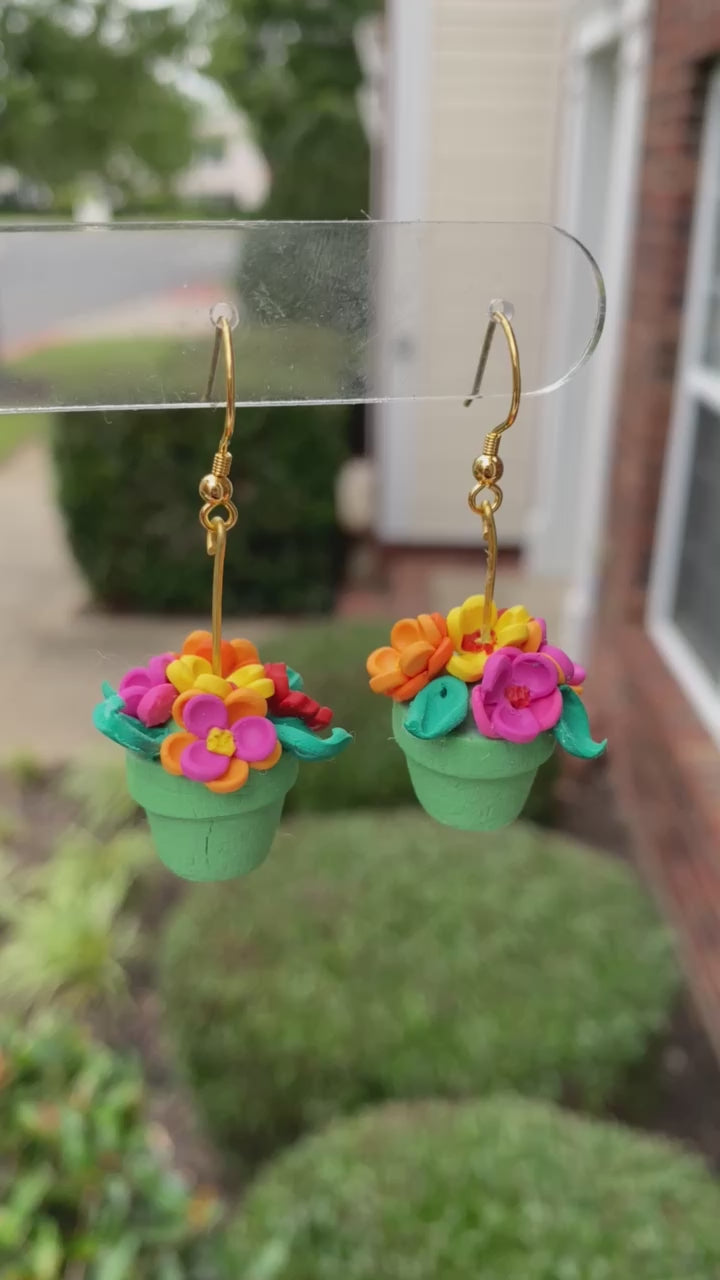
[
  {"x": 331, "y": 658},
  {"x": 381, "y": 956},
  {"x": 373, "y": 773},
  {"x": 503, "y": 1189},
  {"x": 128, "y": 488},
  {"x": 83, "y": 1190},
  {"x": 319, "y": 281}
]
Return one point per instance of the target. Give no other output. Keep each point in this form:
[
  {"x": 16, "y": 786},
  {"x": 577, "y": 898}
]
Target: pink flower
[
  {"x": 537, "y": 643},
  {"x": 518, "y": 697},
  {"x": 223, "y": 740},
  {"x": 147, "y": 693}
]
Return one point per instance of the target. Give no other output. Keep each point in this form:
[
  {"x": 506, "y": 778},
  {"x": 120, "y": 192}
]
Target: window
[{"x": 685, "y": 597}]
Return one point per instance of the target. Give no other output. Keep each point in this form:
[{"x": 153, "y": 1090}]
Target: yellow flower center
[{"x": 221, "y": 742}]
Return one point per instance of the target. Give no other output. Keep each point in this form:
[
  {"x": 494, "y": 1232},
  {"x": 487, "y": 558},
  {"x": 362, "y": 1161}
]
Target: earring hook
[
  {"x": 488, "y": 466},
  {"x": 498, "y": 317},
  {"x": 223, "y": 339}
]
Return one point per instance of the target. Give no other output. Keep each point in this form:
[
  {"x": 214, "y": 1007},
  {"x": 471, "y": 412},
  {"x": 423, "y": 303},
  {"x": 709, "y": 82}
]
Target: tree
[
  {"x": 81, "y": 94},
  {"x": 293, "y": 67}
]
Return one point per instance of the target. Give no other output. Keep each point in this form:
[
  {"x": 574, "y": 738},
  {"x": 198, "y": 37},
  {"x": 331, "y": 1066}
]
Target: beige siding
[{"x": 494, "y": 92}]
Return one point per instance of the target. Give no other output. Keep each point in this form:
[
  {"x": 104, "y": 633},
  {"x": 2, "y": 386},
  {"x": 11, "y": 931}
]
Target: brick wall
[{"x": 666, "y": 768}]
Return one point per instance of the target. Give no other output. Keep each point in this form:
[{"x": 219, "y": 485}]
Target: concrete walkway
[{"x": 55, "y": 649}]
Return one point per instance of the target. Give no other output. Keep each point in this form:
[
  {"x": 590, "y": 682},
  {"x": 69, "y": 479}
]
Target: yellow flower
[
  {"x": 472, "y": 649},
  {"x": 253, "y": 676},
  {"x": 190, "y": 671}
]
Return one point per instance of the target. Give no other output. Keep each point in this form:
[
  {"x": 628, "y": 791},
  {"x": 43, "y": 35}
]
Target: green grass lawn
[
  {"x": 109, "y": 368},
  {"x": 19, "y": 428},
  {"x": 9, "y": 219},
  {"x": 292, "y": 362}
]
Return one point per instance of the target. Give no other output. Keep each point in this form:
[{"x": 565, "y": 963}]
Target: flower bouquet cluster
[
  {"x": 479, "y": 704},
  {"x": 210, "y": 756}
]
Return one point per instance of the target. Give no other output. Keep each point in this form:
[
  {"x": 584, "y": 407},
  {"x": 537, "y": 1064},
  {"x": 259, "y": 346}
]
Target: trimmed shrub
[
  {"x": 331, "y": 657},
  {"x": 83, "y": 1190},
  {"x": 380, "y": 956},
  {"x": 373, "y": 774},
  {"x": 128, "y": 489},
  {"x": 478, "y": 1191}
]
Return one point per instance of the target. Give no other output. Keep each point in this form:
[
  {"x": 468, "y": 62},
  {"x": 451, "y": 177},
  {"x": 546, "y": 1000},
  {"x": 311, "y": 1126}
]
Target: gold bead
[
  {"x": 487, "y": 470},
  {"x": 212, "y": 489}
]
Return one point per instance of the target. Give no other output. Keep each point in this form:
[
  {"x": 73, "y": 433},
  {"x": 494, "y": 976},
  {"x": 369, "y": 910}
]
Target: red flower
[{"x": 287, "y": 702}]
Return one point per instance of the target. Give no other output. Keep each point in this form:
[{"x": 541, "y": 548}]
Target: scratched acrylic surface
[{"x": 119, "y": 315}]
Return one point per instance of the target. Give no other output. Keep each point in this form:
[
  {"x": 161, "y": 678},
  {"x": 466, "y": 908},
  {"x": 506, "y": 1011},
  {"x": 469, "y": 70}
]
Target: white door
[
  {"x": 594, "y": 110},
  {"x": 602, "y": 150}
]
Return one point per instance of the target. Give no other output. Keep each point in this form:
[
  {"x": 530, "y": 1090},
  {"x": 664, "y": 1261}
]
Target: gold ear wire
[
  {"x": 223, "y": 339},
  {"x": 488, "y": 466},
  {"x": 216, "y": 488}
]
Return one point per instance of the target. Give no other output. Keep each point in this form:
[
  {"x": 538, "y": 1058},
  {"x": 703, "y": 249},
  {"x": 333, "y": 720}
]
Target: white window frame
[
  {"x": 696, "y": 385},
  {"x": 566, "y": 544}
]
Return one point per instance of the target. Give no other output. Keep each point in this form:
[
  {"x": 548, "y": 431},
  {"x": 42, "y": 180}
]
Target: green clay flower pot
[
  {"x": 469, "y": 782},
  {"x": 203, "y": 836}
]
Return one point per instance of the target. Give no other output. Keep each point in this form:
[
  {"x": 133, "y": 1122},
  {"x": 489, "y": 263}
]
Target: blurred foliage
[
  {"x": 18, "y": 429},
  {"x": 284, "y": 61},
  {"x": 66, "y": 932},
  {"x": 293, "y": 66},
  {"x": 81, "y": 97},
  {"x": 24, "y": 768},
  {"x": 10, "y": 825},
  {"x": 500, "y": 1188},
  {"x": 85, "y": 1193},
  {"x": 100, "y": 795},
  {"x": 380, "y": 956},
  {"x": 313, "y": 280},
  {"x": 141, "y": 546},
  {"x": 331, "y": 657}
]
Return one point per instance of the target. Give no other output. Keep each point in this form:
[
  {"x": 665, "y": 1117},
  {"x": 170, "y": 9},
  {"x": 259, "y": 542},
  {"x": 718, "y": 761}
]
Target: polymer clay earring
[
  {"x": 213, "y": 736},
  {"x": 480, "y": 696}
]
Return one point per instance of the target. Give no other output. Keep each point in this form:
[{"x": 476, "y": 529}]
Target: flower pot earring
[
  {"x": 212, "y": 734},
  {"x": 481, "y": 697}
]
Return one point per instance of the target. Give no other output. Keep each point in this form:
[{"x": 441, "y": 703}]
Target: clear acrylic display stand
[{"x": 120, "y": 316}]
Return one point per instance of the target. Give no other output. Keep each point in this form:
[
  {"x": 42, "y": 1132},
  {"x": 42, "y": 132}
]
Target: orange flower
[
  {"x": 233, "y": 653},
  {"x": 419, "y": 648}
]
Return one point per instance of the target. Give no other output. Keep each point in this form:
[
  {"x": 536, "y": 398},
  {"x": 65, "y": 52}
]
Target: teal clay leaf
[
  {"x": 438, "y": 709},
  {"x": 295, "y": 680},
  {"x": 300, "y": 741},
  {"x": 109, "y": 719},
  {"x": 572, "y": 730}
]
